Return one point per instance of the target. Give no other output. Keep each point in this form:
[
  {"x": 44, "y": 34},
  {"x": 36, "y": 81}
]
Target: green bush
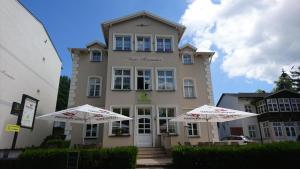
[
  {"x": 106, "y": 158},
  {"x": 268, "y": 156},
  {"x": 56, "y": 144},
  {"x": 43, "y": 159}
]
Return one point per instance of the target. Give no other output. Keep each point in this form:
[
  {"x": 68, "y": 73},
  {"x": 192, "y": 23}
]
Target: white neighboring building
[
  {"x": 240, "y": 101},
  {"x": 29, "y": 64}
]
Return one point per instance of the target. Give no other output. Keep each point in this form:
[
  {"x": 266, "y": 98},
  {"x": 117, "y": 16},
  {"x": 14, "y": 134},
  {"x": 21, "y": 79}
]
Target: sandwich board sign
[{"x": 29, "y": 106}]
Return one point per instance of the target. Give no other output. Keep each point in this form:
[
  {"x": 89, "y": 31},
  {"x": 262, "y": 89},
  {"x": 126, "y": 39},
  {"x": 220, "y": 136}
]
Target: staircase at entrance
[{"x": 153, "y": 158}]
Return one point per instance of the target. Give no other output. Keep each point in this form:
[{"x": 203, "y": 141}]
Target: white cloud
[{"x": 258, "y": 37}]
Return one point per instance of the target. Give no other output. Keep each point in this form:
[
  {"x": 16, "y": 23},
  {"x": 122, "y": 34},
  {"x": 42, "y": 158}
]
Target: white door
[
  {"x": 144, "y": 127},
  {"x": 291, "y": 133}
]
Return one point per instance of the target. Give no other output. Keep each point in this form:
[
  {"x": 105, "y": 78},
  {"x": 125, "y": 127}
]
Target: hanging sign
[{"x": 29, "y": 105}]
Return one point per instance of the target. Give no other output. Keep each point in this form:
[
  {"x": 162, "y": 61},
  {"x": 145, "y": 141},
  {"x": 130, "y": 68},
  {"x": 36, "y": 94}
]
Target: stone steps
[{"x": 153, "y": 158}]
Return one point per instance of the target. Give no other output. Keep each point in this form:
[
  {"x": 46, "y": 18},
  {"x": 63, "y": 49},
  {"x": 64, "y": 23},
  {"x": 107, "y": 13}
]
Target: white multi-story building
[{"x": 29, "y": 64}]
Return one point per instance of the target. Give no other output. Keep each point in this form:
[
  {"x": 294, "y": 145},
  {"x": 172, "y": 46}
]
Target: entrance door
[
  {"x": 290, "y": 133},
  {"x": 144, "y": 127}
]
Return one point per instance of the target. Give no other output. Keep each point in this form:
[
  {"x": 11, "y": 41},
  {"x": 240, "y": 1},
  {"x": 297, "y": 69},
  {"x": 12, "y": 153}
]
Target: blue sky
[{"x": 74, "y": 23}]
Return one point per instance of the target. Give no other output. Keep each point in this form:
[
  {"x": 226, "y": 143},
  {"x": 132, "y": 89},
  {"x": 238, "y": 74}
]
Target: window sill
[
  {"x": 187, "y": 63},
  {"x": 164, "y": 51},
  {"x": 121, "y": 90},
  {"x": 166, "y": 90},
  {"x": 93, "y": 61},
  {"x": 193, "y": 136},
  {"x": 141, "y": 90},
  {"x": 190, "y": 97},
  {"x": 93, "y": 97},
  {"x": 116, "y": 50},
  {"x": 174, "y": 134},
  {"x": 90, "y": 138},
  {"x": 122, "y": 135},
  {"x": 144, "y": 51}
]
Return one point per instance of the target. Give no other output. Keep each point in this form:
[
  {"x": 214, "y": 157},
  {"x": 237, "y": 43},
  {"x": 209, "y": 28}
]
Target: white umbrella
[
  {"x": 85, "y": 114},
  {"x": 211, "y": 114}
]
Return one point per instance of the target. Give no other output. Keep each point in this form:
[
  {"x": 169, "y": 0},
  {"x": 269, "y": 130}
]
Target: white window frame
[
  {"x": 248, "y": 107},
  {"x": 252, "y": 129},
  {"x": 88, "y": 85},
  {"x": 192, "y": 58},
  {"x": 91, "y": 55},
  {"x": 194, "y": 85},
  {"x": 273, "y": 104},
  {"x": 284, "y": 102},
  {"x": 113, "y": 77},
  {"x": 143, "y": 35},
  {"x": 192, "y": 128},
  {"x": 277, "y": 126},
  {"x": 261, "y": 107},
  {"x": 130, "y": 121},
  {"x": 158, "y": 118},
  {"x": 122, "y": 34},
  {"x": 266, "y": 129},
  {"x": 164, "y": 36},
  {"x": 165, "y": 69},
  {"x": 295, "y": 104},
  {"x": 151, "y": 77},
  {"x": 91, "y": 137}
]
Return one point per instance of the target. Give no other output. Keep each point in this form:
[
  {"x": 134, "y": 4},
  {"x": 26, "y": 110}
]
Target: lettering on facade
[{"x": 145, "y": 59}]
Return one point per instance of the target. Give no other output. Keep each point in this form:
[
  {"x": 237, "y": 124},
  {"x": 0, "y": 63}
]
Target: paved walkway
[{"x": 156, "y": 163}]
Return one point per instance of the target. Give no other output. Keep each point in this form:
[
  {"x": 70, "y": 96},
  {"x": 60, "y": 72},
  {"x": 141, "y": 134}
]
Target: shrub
[
  {"x": 57, "y": 144},
  {"x": 43, "y": 159},
  {"x": 267, "y": 156},
  {"x": 106, "y": 158}
]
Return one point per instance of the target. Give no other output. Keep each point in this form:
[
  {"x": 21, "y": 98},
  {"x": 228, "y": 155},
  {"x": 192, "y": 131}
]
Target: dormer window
[
  {"x": 122, "y": 42},
  {"x": 96, "y": 56},
  {"x": 187, "y": 59},
  {"x": 163, "y": 44}
]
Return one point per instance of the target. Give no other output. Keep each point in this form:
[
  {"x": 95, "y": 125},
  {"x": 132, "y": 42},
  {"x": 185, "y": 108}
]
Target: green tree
[
  {"x": 260, "y": 91},
  {"x": 296, "y": 79},
  {"x": 63, "y": 93},
  {"x": 284, "y": 82}
]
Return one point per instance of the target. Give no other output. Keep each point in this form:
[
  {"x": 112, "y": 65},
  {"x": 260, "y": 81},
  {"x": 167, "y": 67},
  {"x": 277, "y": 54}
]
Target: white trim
[
  {"x": 143, "y": 35},
  {"x": 113, "y": 76},
  {"x": 157, "y": 116},
  {"x": 153, "y": 124},
  {"x": 166, "y": 68},
  {"x": 91, "y": 50},
  {"x": 130, "y": 121},
  {"x": 192, "y": 57},
  {"x": 144, "y": 68},
  {"x": 123, "y": 34},
  {"x": 164, "y": 36},
  {"x": 88, "y": 85},
  {"x": 194, "y": 84}
]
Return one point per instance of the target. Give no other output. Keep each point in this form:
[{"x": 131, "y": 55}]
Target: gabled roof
[
  {"x": 187, "y": 45},
  {"x": 105, "y": 25},
  {"x": 95, "y": 42}
]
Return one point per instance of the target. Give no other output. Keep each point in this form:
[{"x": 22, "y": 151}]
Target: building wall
[
  {"x": 82, "y": 68},
  {"x": 29, "y": 65}
]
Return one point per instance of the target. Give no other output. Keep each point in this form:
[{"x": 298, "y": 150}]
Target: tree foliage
[
  {"x": 63, "y": 93},
  {"x": 284, "y": 82},
  {"x": 260, "y": 91}
]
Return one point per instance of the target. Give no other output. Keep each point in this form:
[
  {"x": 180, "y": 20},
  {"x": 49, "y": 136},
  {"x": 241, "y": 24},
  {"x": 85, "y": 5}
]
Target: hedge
[
  {"x": 284, "y": 155},
  {"x": 105, "y": 158}
]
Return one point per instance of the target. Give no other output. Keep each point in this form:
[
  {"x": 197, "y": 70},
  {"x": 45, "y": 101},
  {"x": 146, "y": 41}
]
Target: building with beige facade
[
  {"x": 141, "y": 72},
  {"x": 29, "y": 64}
]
